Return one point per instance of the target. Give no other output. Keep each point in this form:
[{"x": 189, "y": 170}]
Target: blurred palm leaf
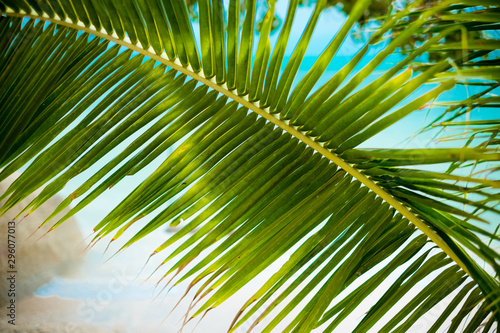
[{"x": 261, "y": 167}]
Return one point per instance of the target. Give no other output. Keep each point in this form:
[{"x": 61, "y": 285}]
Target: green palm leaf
[{"x": 263, "y": 166}]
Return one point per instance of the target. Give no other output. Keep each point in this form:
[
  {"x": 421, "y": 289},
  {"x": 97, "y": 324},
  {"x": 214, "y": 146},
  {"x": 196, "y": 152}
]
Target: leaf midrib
[{"x": 263, "y": 113}]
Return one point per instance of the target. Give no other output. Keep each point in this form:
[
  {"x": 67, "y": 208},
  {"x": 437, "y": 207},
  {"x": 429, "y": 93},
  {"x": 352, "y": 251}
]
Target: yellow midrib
[{"x": 253, "y": 106}]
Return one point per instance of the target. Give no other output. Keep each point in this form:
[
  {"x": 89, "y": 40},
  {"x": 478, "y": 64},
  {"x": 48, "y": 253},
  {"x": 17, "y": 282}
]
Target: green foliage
[{"x": 265, "y": 167}]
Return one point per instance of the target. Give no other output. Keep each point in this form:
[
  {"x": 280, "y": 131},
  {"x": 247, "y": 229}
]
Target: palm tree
[{"x": 263, "y": 168}]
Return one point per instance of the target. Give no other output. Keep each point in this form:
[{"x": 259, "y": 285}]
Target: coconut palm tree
[{"x": 265, "y": 165}]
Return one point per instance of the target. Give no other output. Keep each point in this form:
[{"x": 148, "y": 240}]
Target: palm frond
[{"x": 260, "y": 166}]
